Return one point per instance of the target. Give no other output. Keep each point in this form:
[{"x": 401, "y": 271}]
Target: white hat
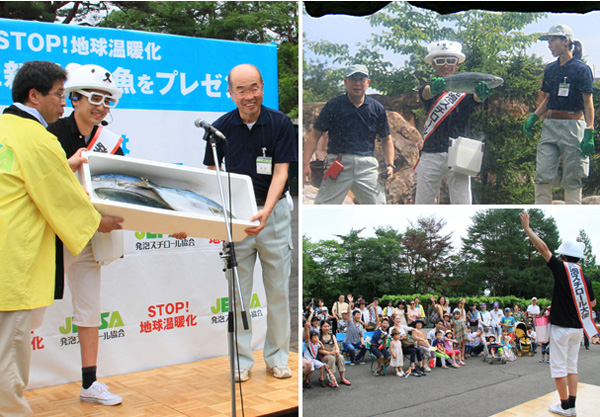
[
  {"x": 559, "y": 30},
  {"x": 534, "y": 298},
  {"x": 573, "y": 249},
  {"x": 444, "y": 48},
  {"x": 92, "y": 77}
]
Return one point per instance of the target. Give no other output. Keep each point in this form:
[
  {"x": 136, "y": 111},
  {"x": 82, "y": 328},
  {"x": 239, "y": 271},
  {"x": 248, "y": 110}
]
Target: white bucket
[
  {"x": 108, "y": 247},
  {"x": 465, "y": 156}
]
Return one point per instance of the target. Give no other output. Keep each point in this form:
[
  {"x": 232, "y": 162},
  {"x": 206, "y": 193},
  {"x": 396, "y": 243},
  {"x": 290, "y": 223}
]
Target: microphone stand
[{"x": 231, "y": 274}]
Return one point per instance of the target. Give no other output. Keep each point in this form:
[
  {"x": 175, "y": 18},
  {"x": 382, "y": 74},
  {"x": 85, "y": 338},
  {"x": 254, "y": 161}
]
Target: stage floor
[
  {"x": 192, "y": 389},
  {"x": 588, "y": 404}
]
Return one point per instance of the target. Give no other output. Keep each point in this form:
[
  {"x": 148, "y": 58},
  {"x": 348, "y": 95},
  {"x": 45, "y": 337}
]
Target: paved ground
[{"x": 477, "y": 389}]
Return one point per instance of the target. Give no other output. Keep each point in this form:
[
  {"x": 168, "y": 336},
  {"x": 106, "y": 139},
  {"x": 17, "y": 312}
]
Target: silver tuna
[
  {"x": 465, "y": 82},
  {"x": 140, "y": 191}
]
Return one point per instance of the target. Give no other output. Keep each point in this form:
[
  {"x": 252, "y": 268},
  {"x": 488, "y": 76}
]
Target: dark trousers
[
  {"x": 352, "y": 348},
  {"x": 414, "y": 353}
]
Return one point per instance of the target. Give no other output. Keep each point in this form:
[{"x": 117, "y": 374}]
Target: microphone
[
  {"x": 209, "y": 128},
  {"x": 104, "y": 122}
]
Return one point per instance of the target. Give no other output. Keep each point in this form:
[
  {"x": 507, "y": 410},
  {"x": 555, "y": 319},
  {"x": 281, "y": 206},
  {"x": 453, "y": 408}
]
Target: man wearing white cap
[
  {"x": 93, "y": 92},
  {"x": 572, "y": 301},
  {"x": 533, "y": 310},
  {"x": 353, "y": 121},
  {"x": 448, "y": 114},
  {"x": 568, "y": 131}
]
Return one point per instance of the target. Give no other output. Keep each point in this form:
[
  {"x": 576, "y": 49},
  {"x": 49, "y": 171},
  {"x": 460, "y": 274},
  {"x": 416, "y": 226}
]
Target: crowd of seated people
[{"x": 406, "y": 341}]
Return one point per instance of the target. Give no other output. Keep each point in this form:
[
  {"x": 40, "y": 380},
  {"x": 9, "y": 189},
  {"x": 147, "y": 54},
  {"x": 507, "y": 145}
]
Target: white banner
[{"x": 164, "y": 303}]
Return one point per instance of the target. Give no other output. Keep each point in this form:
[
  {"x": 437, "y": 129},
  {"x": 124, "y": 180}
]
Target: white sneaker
[
  {"x": 242, "y": 375},
  {"x": 99, "y": 393},
  {"x": 427, "y": 368},
  {"x": 557, "y": 409},
  {"x": 281, "y": 371},
  {"x": 399, "y": 373}
]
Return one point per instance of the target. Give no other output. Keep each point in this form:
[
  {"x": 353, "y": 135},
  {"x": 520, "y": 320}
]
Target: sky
[
  {"x": 351, "y": 30},
  {"x": 323, "y": 222}
]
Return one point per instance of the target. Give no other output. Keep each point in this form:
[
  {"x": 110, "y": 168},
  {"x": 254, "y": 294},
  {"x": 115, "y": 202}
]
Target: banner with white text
[{"x": 166, "y": 301}]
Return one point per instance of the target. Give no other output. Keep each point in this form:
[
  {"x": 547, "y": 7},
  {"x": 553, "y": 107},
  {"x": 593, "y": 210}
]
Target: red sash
[
  {"x": 105, "y": 141},
  {"x": 581, "y": 298},
  {"x": 443, "y": 106}
]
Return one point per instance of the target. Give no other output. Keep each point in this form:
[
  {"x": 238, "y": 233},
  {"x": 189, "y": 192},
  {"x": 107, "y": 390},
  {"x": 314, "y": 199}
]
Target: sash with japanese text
[
  {"x": 444, "y": 105},
  {"x": 581, "y": 298}
]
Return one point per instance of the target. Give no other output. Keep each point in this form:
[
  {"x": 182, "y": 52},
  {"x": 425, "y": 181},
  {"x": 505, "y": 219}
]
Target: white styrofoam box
[
  {"x": 465, "y": 155},
  {"x": 201, "y": 181}
]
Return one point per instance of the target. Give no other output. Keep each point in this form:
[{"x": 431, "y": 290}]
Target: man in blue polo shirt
[
  {"x": 352, "y": 120},
  {"x": 568, "y": 131},
  {"x": 261, "y": 143}
]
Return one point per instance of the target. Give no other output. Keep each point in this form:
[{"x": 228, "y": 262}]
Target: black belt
[{"x": 261, "y": 201}]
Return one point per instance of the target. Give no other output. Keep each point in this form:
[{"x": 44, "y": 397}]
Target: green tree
[
  {"x": 502, "y": 258},
  {"x": 320, "y": 83},
  {"x": 65, "y": 12},
  {"x": 321, "y": 276},
  {"x": 427, "y": 254},
  {"x": 589, "y": 260}
]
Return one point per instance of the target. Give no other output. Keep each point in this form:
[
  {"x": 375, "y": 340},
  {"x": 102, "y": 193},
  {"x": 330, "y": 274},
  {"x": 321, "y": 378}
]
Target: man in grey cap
[
  {"x": 568, "y": 131},
  {"x": 352, "y": 120}
]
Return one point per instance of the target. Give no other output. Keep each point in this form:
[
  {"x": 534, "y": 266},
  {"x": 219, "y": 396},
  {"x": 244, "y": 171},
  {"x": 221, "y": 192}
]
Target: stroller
[
  {"x": 487, "y": 357},
  {"x": 522, "y": 340}
]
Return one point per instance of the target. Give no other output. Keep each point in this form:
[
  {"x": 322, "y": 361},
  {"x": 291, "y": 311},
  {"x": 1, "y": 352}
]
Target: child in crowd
[
  {"x": 311, "y": 353},
  {"x": 533, "y": 338},
  {"x": 389, "y": 310},
  {"x": 508, "y": 322},
  {"x": 396, "y": 352},
  {"x": 473, "y": 317},
  {"x": 447, "y": 321},
  {"x": 342, "y": 324},
  {"x": 440, "y": 352},
  {"x": 461, "y": 334},
  {"x": 545, "y": 352},
  {"x": 507, "y": 352},
  {"x": 494, "y": 349},
  {"x": 450, "y": 351}
]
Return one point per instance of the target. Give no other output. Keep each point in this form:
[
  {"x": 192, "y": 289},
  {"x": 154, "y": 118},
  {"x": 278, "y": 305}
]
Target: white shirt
[
  {"x": 496, "y": 316},
  {"x": 533, "y": 309}
]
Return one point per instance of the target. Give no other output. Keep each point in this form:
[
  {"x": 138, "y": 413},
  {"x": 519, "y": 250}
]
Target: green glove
[
  {"x": 587, "y": 144},
  {"x": 437, "y": 86},
  {"x": 482, "y": 90},
  {"x": 529, "y": 124}
]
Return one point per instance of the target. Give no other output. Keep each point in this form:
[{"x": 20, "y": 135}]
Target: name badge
[
  {"x": 263, "y": 165},
  {"x": 563, "y": 90}
]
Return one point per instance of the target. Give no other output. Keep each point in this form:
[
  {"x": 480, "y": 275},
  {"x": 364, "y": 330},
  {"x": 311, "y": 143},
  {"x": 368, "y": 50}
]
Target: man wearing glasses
[
  {"x": 37, "y": 189},
  {"x": 93, "y": 92},
  {"x": 261, "y": 143},
  {"x": 448, "y": 115},
  {"x": 353, "y": 121}
]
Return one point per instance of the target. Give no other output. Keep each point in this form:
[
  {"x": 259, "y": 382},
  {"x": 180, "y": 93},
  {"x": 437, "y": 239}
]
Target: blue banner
[{"x": 154, "y": 71}]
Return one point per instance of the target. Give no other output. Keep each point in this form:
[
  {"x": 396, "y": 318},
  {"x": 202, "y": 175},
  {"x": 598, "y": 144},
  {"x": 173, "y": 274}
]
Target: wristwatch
[{"x": 391, "y": 165}]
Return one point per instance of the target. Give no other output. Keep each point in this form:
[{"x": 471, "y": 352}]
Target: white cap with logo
[
  {"x": 559, "y": 30},
  {"x": 444, "y": 48}
]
